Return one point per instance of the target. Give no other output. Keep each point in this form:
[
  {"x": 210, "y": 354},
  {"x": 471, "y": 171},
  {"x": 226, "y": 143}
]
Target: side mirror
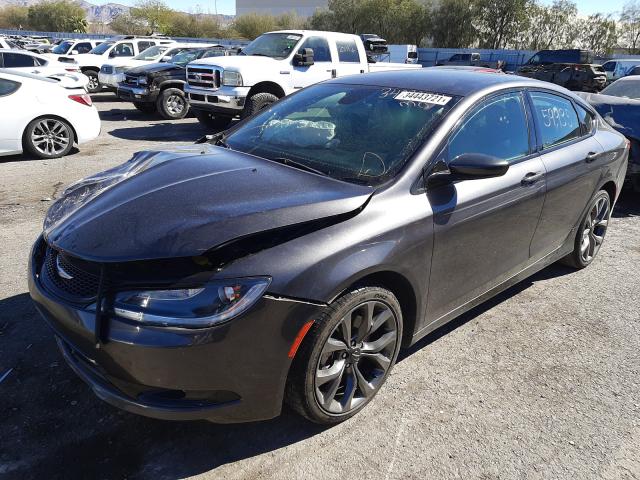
[
  {"x": 112, "y": 54},
  {"x": 304, "y": 57},
  {"x": 470, "y": 166}
]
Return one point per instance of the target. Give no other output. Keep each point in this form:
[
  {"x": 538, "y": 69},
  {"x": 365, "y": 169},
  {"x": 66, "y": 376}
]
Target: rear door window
[
  {"x": 348, "y": 51},
  {"x": 7, "y": 87},
  {"x": 556, "y": 118},
  {"x": 17, "y": 60},
  {"x": 144, "y": 44},
  {"x": 497, "y": 128},
  {"x": 83, "y": 47},
  {"x": 123, "y": 50}
]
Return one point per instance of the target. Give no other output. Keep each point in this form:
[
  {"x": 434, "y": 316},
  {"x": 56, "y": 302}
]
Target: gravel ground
[{"x": 541, "y": 382}]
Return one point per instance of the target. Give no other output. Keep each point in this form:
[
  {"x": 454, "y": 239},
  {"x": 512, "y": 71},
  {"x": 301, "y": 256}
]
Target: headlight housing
[
  {"x": 231, "y": 78},
  {"x": 201, "y": 307},
  {"x": 142, "y": 81}
]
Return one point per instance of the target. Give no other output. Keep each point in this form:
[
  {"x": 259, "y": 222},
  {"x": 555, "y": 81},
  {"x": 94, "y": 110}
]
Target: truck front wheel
[
  {"x": 257, "y": 102},
  {"x": 94, "y": 84},
  {"x": 217, "y": 122},
  {"x": 172, "y": 104}
]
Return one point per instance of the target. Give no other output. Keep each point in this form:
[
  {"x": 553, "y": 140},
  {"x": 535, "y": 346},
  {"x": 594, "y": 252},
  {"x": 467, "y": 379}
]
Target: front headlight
[
  {"x": 213, "y": 303},
  {"x": 142, "y": 80},
  {"x": 231, "y": 79}
]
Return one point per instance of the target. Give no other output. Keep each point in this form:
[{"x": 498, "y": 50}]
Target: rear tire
[
  {"x": 346, "y": 356},
  {"x": 217, "y": 122},
  {"x": 145, "y": 107},
  {"x": 94, "y": 83},
  {"x": 48, "y": 137},
  {"x": 172, "y": 104},
  {"x": 257, "y": 102},
  {"x": 591, "y": 232}
]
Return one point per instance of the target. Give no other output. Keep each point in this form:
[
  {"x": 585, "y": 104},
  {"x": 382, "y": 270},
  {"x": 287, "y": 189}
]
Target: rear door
[
  {"x": 322, "y": 68},
  {"x": 351, "y": 60},
  {"x": 573, "y": 160},
  {"x": 483, "y": 227},
  {"x": 10, "y": 134}
]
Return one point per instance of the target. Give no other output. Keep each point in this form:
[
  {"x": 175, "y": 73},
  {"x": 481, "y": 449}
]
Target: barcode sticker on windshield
[{"x": 422, "y": 97}]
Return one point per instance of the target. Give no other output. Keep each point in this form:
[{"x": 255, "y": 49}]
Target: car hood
[
  {"x": 623, "y": 114},
  {"x": 153, "y": 68},
  {"x": 186, "y": 201}
]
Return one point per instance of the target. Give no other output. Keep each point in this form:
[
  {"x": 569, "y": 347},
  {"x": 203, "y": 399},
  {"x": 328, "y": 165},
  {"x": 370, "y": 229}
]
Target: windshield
[
  {"x": 274, "y": 45},
  {"x": 152, "y": 53},
  {"x": 102, "y": 48},
  {"x": 624, "y": 88},
  {"x": 185, "y": 57},
  {"x": 62, "y": 48},
  {"x": 360, "y": 134}
]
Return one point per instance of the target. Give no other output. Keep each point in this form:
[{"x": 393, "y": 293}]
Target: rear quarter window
[
  {"x": 556, "y": 118},
  {"x": 348, "y": 51},
  {"x": 7, "y": 87}
]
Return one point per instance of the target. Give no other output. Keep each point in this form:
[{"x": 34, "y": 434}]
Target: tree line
[{"x": 494, "y": 24}]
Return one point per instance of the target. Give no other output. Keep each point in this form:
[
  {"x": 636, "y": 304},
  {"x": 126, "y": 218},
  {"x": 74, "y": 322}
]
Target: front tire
[
  {"x": 257, "y": 102},
  {"x": 172, "y": 104},
  {"x": 591, "y": 232},
  {"x": 217, "y": 122},
  {"x": 94, "y": 83},
  {"x": 346, "y": 357},
  {"x": 48, "y": 137}
]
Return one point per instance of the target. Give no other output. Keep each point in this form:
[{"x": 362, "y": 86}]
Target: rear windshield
[
  {"x": 623, "y": 88},
  {"x": 360, "y": 134}
]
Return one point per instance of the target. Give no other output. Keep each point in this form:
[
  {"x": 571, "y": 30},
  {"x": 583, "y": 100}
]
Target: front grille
[
  {"x": 108, "y": 69},
  {"x": 131, "y": 80},
  {"x": 204, "y": 77},
  {"x": 82, "y": 286}
]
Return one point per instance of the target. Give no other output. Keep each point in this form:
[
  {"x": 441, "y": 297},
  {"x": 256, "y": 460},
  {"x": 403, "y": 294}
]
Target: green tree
[
  {"x": 452, "y": 24},
  {"x": 253, "y": 25},
  {"x": 630, "y": 26},
  {"x": 57, "y": 16},
  {"x": 195, "y": 25},
  {"x": 126, "y": 24},
  {"x": 499, "y": 22},
  {"x": 551, "y": 26},
  {"x": 155, "y": 13},
  {"x": 598, "y": 33},
  {"x": 14, "y": 17}
]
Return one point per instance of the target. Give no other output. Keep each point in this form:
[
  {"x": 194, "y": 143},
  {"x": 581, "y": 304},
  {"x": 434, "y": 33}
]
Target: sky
[{"x": 228, "y": 7}]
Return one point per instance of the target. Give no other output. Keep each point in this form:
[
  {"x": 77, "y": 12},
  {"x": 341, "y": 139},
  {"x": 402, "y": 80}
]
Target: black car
[
  {"x": 290, "y": 258},
  {"x": 159, "y": 87},
  {"x": 619, "y": 105}
]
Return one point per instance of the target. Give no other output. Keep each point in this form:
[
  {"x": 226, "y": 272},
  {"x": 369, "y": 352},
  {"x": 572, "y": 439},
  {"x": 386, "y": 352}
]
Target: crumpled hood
[
  {"x": 621, "y": 113},
  {"x": 153, "y": 68},
  {"x": 186, "y": 201}
]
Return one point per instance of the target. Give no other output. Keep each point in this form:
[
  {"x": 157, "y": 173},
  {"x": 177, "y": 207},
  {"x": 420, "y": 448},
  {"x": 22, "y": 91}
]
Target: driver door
[
  {"x": 483, "y": 227},
  {"x": 322, "y": 69}
]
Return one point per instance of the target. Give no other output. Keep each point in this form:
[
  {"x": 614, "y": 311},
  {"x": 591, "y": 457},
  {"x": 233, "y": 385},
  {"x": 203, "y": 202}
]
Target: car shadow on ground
[
  {"x": 628, "y": 204},
  {"x": 162, "y": 132},
  {"x": 26, "y": 157},
  {"x": 58, "y": 429}
]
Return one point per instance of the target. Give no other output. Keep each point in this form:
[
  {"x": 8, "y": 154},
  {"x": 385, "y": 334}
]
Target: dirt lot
[{"x": 542, "y": 382}]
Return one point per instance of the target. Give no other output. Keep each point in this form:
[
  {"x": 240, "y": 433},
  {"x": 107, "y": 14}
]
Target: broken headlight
[{"x": 213, "y": 303}]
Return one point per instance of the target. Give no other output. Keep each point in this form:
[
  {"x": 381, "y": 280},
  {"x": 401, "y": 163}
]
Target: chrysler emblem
[{"x": 62, "y": 273}]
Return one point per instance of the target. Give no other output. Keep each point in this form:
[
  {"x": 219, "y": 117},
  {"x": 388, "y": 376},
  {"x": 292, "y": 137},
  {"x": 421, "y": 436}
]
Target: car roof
[{"x": 449, "y": 81}]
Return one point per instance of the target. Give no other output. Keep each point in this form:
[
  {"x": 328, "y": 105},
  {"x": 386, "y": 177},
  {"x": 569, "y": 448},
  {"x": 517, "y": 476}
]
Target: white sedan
[
  {"x": 44, "y": 116},
  {"x": 29, "y": 62}
]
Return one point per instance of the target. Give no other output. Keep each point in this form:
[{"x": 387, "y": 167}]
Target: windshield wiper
[
  {"x": 301, "y": 166},
  {"x": 218, "y": 139}
]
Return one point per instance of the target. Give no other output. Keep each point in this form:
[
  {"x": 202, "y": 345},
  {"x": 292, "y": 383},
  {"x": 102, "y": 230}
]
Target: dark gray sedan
[{"x": 290, "y": 258}]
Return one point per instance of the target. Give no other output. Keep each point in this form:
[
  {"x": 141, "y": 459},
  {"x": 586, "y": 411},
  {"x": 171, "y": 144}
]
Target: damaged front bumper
[{"x": 232, "y": 372}]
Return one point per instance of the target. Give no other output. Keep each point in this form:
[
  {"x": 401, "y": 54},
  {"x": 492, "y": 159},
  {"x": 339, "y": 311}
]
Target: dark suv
[{"x": 159, "y": 87}]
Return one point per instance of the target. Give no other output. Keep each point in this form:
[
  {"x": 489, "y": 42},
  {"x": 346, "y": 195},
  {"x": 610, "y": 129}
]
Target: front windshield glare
[
  {"x": 62, "y": 48},
  {"x": 624, "y": 88},
  {"x": 102, "y": 48},
  {"x": 151, "y": 53},
  {"x": 274, "y": 45},
  {"x": 360, "y": 134}
]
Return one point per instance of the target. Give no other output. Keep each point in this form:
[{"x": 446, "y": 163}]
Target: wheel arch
[
  {"x": 58, "y": 117},
  {"x": 267, "y": 87},
  {"x": 611, "y": 188},
  {"x": 171, "y": 84}
]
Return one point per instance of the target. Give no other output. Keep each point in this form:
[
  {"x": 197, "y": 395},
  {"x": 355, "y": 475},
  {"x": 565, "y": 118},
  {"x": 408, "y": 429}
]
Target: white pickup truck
[{"x": 274, "y": 65}]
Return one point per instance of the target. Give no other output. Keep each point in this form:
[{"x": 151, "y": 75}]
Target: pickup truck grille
[
  {"x": 204, "y": 77},
  {"x": 131, "y": 80}
]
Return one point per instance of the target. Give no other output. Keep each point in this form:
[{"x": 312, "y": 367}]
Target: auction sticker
[{"x": 422, "y": 97}]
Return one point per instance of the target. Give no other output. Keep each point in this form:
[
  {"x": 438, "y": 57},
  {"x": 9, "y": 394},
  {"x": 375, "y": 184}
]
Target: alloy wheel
[
  {"x": 175, "y": 104},
  {"x": 93, "y": 83},
  {"x": 356, "y": 357},
  {"x": 594, "y": 229},
  {"x": 50, "y": 137}
]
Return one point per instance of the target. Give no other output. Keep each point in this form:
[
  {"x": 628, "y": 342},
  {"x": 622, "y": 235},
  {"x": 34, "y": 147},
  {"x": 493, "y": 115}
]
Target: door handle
[
  {"x": 591, "y": 157},
  {"x": 531, "y": 178}
]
